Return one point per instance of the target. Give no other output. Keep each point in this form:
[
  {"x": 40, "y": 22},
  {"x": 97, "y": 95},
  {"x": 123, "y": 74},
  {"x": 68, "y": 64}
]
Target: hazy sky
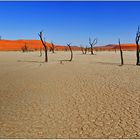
[{"x": 65, "y": 22}]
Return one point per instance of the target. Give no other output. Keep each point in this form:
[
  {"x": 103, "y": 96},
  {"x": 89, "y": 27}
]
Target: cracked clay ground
[{"x": 90, "y": 97}]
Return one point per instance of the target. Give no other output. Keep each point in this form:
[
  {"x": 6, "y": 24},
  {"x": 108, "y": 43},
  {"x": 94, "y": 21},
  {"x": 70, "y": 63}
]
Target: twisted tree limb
[
  {"x": 121, "y": 53},
  {"x": 137, "y": 46},
  {"x": 92, "y": 43},
  {"x": 45, "y": 47}
]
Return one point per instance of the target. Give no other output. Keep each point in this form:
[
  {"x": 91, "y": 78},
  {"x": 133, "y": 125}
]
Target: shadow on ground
[
  {"x": 115, "y": 64},
  {"x": 30, "y": 61}
]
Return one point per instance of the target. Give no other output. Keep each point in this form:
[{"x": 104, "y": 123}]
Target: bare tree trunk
[
  {"x": 24, "y": 48},
  {"x": 137, "y": 54},
  {"x": 92, "y": 50},
  {"x": 115, "y": 50},
  {"x": 92, "y": 44},
  {"x": 121, "y": 53},
  {"x": 82, "y": 49},
  {"x": 86, "y": 50},
  {"x": 52, "y": 47},
  {"x": 66, "y": 50},
  {"x": 45, "y": 47},
  {"x": 137, "y": 45},
  {"x": 71, "y": 52},
  {"x": 46, "y": 56}
]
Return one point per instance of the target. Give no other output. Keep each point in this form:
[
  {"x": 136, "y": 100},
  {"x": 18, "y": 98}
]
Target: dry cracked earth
[{"x": 90, "y": 97}]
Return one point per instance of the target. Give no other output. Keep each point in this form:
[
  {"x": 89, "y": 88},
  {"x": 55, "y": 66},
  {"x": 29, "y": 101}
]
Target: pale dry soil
[{"x": 90, "y": 97}]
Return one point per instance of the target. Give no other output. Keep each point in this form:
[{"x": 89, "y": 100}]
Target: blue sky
[{"x": 64, "y": 22}]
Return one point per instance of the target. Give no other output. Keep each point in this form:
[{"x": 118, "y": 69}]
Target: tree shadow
[
  {"x": 107, "y": 63},
  {"x": 62, "y": 61},
  {"x": 114, "y": 64},
  {"x": 86, "y": 54},
  {"x": 30, "y": 61}
]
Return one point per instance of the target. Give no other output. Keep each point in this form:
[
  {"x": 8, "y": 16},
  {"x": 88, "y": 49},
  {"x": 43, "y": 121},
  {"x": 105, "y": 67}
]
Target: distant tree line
[{"x": 84, "y": 50}]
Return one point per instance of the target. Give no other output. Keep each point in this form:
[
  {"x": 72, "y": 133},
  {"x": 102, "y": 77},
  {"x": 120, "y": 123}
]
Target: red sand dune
[
  {"x": 14, "y": 45},
  {"x": 110, "y": 47}
]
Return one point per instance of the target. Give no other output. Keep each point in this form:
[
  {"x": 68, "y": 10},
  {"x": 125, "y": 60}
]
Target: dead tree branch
[
  {"x": 86, "y": 50},
  {"x": 92, "y": 43},
  {"x": 137, "y": 45},
  {"x": 121, "y": 53},
  {"x": 52, "y": 48},
  {"x": 70, "y": 51},
  {"x": 24, "y": 48},
  {"x": 82, "y": 49},
  {"x": 69, "y": 45},
  {"x": 45, "y": 47}
]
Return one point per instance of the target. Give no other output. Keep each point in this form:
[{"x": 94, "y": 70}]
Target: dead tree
[
  {"x": 52, "y": 47},
  {"x": 70, "y": 51},
  {"x": 82, "y": 49},
  {"x": 24, "y": 48},
  {"x": 121, "y": 53},
  {"x": 0, "y": 37},
  {"x": 115, "y": 49},
  {"x": 137, "y": 45},
  {"x": 66, "y": 49},
  {"x": 71, "y": 54},
  {"x": 92, "y": 43},
  {"x": 86, "y": 50},
  {"x": 45, "y": 47}
]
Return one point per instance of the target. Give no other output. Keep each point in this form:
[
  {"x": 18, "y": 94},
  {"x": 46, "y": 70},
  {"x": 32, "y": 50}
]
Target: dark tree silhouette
[
  {"x": 0, "y": 37},
  {"x": 69, "y": 45},
  {"x": 137, "y": 45},
  {"x": 86, "y": 50},
  {"x": 52, "y": 48},
  {"x": 121, "y": 53},
  {"x": 70, "y": 51},
  {"x": 45, "y": 47},
  {"x": 24, "y": 48},
  {"x": 115, "y": 49},
  {"x": 66, "y": 49},
  {"x": 92, "y": 43},
  {"x": 82, "y": 49}
]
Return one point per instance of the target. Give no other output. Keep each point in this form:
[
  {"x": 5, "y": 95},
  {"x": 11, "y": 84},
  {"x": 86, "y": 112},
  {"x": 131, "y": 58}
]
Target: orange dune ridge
[
  {"x": 125, "y": 47},
  {"x": 16, "y": 45}
]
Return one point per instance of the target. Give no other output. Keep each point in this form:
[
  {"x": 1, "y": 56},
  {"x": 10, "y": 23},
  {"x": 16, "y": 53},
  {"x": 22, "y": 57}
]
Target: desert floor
[{"x": 90, "y": 97}]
